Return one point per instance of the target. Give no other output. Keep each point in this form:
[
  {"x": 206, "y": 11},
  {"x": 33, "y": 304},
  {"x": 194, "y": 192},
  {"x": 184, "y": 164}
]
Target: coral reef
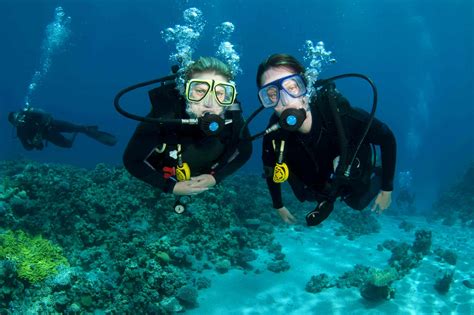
[
  {"x": 406, "y": 226},
  {"x": 405, "y": 257},
  {"x": 355, "y": 223},
  {"x": 422, "y": 244},
  {"x": 128, "y": 250},
  {"x": 354, "y": 278},
  {"x": 35, "y": 258},
  {"x": 443, "y": 284},
  {"x": 278, "y": 266},
  {"x": 373, "y": 284},
  {"x": 447, "y": 255},
  {"x": 377, "y": 286},
  {"x": 318, "y": 283},
  {"x": 456, "y": 204},
  {"x": 278, "y": 263},
  {"x": 380, "y": 278},
  {"x": 10, "y": 286}
]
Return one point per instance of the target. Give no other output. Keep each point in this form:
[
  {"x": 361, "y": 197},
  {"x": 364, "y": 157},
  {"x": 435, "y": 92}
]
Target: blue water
[{"x": 419, "y": 53}]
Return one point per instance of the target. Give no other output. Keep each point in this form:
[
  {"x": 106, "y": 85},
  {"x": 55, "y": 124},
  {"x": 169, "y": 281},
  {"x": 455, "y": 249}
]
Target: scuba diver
[
  {"x": 189, "y": 141},
  {"x": 322, "y": 145},
  {"x": 35, "y": 128},
  {"x": 405, "y": 198}
]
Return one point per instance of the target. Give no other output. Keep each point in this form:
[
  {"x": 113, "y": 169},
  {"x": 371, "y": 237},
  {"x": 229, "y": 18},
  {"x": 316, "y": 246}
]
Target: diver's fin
[{"x": 101, "y": 136}]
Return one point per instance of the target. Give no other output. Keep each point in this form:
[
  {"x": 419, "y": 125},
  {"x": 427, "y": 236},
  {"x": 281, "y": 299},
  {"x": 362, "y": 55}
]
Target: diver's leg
[
  {"x": 65, "y": 126},
  {"x": 323, "y": 209},
  {"x": 58, "y": 139},
  {"x": 90, "y": 131},
  {"x": 320, "y": 213},
  {"x": 361, "y": 198},
  {"x": 301, "y": 191}
]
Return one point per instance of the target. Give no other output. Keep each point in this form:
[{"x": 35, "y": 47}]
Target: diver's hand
[
  {"x": 286, "y": 215},
  {"x": 189, "y": 187},
  {"x": 382, "y": 202},
  {"x": 205, "y": 180}
]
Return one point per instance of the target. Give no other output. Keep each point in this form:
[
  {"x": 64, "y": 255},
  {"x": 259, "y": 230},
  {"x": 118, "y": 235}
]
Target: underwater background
[{"x": 419, "y": 54}]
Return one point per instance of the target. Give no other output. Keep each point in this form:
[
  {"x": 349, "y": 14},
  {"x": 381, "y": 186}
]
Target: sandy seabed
[{"x": 317, "y": 250}]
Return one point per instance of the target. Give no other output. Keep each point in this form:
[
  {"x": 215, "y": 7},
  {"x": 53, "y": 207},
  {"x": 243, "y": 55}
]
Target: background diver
[
  {"x": 405, "y": 198},
  {"x": 179, "y": 158},
  {"x": 321, "y": 145},
  {"x": 35, "y": 128}
]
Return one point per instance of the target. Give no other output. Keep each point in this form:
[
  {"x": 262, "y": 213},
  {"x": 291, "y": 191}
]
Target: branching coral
[
  {"x": 35, "y": 257},
  {"x": 381, "y": 278}
]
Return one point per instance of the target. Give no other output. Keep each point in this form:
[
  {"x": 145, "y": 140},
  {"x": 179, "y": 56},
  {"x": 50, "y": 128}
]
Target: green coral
[
  {"x": 381, "y": 278},
  {"x": 35, "y": 257}
]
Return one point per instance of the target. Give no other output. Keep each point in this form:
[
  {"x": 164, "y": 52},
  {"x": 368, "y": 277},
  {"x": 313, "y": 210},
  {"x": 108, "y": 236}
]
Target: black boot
[{"x": 321, "y": 213}]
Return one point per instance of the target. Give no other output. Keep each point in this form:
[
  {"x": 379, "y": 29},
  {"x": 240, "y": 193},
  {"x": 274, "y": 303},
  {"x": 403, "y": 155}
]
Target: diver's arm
[
  {"x": 26, "y": 144},
  {"x": 23, "y": 134},
  {"x": 388, "y": 148},
  {"x": 275, "y": 193},
  {"x": 268, "y": 158},
  {"x": 380, "y": 134},
  {"x": 242, "y": 154},
  {"x": 143, "y": 141},
  {"x": 286, "y": 215}
]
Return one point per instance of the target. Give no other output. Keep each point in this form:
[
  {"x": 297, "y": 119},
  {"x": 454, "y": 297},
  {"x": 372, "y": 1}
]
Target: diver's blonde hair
[{"x": 208, "y": 64}]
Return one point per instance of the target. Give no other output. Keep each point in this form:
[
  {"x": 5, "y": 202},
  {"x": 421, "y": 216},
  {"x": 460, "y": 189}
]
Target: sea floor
[{"x": 311, "y": 251}]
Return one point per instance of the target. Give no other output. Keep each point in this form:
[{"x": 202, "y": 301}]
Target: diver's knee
[
  {"x": 359, "y": 207},
  {"x": 356, "y": 204}
]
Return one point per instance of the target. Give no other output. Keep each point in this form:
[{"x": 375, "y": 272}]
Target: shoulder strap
[
  {"x": 236, "y": 116},
  {"x": 328, "y": 102},
  {"x": 233, "y": 142}
]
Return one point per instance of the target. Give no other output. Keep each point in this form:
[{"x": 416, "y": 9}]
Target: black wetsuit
[
  {"x": 310, "y": 157},
  {"x": 219, "y": 155},
  {"x": 37, "y": 127}
]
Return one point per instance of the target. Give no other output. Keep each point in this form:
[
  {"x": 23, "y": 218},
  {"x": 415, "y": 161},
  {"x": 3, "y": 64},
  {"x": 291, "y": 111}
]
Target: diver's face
[
  {"x": 286, "y": 101},
  {"x": 208, "y": 104}
]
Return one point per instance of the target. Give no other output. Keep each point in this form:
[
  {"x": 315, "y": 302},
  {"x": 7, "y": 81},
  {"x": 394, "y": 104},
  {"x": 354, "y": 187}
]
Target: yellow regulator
[
  {"x": 183, "y": 172},
  {"x": 281, "y": 172}
]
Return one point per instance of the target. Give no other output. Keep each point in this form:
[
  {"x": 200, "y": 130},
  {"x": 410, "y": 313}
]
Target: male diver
[{"x": 35, "y": 128}]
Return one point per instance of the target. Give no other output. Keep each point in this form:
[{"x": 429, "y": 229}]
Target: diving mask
[
  {"x": 293, "y": 85},
  {"x": 197, "y": 89}
]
